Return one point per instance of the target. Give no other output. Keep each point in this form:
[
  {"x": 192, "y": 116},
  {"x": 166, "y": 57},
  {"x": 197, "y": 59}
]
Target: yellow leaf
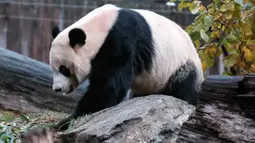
[
  {"x": 246, "y": 27},
  {"x": 231, "y": 6},
  {"x": 219, "y": 25},
  {"x": 217, "y": 33},
  {"x": 202, "y": 8},
  {"x": 212, "y": 35},
  {"x": 248, "y": 55},
  {"x": 204, "y": 66},
  {"x": 217, "y": 15},
  {"x": 253, "y": 56},
  {"x": 253, "y": 68},
  {"x": 249, "y": 33},
  {"x": 211, "y": 49},
  {"x": 197, "y": 43},
  {"x": 251, "y": 44},
  {"x": 228, "y": 15}
]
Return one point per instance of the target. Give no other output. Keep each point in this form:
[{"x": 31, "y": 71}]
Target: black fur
[
  {"x": 55, "y": 31},
  {"x": 127, "y": 50},
  {"x": 64, "y": 71},
  {"x": 77, "y": 37},
  {"x": 181, "y": 84}
]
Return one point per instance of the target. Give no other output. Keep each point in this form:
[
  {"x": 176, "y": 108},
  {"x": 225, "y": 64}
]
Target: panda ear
[
  {"x": 77, "y": 36},
  {"x": 55, "y": 31}
]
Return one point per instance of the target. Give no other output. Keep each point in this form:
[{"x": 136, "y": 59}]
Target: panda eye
[{"x": 64, "y": 70}]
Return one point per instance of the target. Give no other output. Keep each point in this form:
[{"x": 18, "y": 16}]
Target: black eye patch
[{"x": 65, "y": 71}]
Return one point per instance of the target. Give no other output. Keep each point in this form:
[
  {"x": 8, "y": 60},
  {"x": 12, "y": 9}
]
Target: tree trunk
[
  {"x": 25, "y": 86},
  {"x": 226, "y": 112}
]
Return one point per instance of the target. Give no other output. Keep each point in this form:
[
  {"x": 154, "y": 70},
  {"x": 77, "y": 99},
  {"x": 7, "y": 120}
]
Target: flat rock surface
[{"x": 155, "y": 118}]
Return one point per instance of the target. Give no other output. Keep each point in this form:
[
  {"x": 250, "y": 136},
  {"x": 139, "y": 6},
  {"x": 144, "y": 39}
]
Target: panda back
[{"x": 172, "y": 48}]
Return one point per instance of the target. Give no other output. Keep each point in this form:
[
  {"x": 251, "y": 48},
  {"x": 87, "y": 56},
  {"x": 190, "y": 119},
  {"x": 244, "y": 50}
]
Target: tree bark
[
  {"x": 149, "y": 119},
  {"x": 226, "y": 112},
  {"x": 25, "y": 86}
]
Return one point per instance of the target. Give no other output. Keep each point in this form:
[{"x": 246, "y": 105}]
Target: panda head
[{"x": 67, "y": 59}]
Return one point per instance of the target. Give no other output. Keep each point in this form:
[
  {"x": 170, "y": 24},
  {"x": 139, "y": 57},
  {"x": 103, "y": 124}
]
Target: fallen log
[
  {"x": 154, "y": 118},
  {"x": 25, "y": 86},
  {"x": 226, "y": 112}
]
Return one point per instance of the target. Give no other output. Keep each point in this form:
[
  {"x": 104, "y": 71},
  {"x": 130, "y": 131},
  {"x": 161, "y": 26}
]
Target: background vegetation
[
  {"x": 12, "y": 125},
  {"x": 224, "y": 27}
]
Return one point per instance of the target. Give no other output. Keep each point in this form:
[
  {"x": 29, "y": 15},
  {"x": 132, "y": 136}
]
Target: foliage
[
  {"x": 12, "y": 125},
  {"x": 224, "y": 27}
]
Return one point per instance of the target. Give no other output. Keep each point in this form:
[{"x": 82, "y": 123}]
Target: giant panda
[{"x": 120, "y": 50}]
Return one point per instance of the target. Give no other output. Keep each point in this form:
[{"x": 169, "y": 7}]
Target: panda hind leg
[{"x": 183, "y": 84}]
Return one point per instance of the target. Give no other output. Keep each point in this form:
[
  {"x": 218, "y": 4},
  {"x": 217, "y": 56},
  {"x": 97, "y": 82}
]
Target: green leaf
[
  {"x": 240, "y": 2},
  {"x": 229, "y": 61},
  {"x": 4, "y": 128},
  {"x": 217, "y": 2},
  {"x": 204, "y": 36},
  {"x": 222, "y": 41},
  {"x": 195, "y": 36},
  {"x": 7, "y": 116},
  {"x": 24, "y": 118},
  {"x": 197, "y": 27},
  {"x": 226, "y": 73},
  {"x": 208, "y": 21},
  {"x": 231, "y": 38},
  {"x": 223, "y": 8},
  {"x": 195, "y": 10},
  {"x": 209, "y": 61},
  {"x": 183, "y": 5}
]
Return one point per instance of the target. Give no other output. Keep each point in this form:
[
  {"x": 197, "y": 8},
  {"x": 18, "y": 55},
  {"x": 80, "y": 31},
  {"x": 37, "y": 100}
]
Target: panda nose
[{"x": 57, "y": 89}]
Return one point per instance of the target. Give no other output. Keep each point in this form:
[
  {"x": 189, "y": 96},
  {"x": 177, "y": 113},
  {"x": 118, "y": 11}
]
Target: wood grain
[{"x": 226, "y": 112}]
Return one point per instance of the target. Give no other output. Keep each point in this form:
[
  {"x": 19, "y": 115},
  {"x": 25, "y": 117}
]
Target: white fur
[
  {"x": 96, "y": 25},
  {"x": 173, "y": 49}
]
